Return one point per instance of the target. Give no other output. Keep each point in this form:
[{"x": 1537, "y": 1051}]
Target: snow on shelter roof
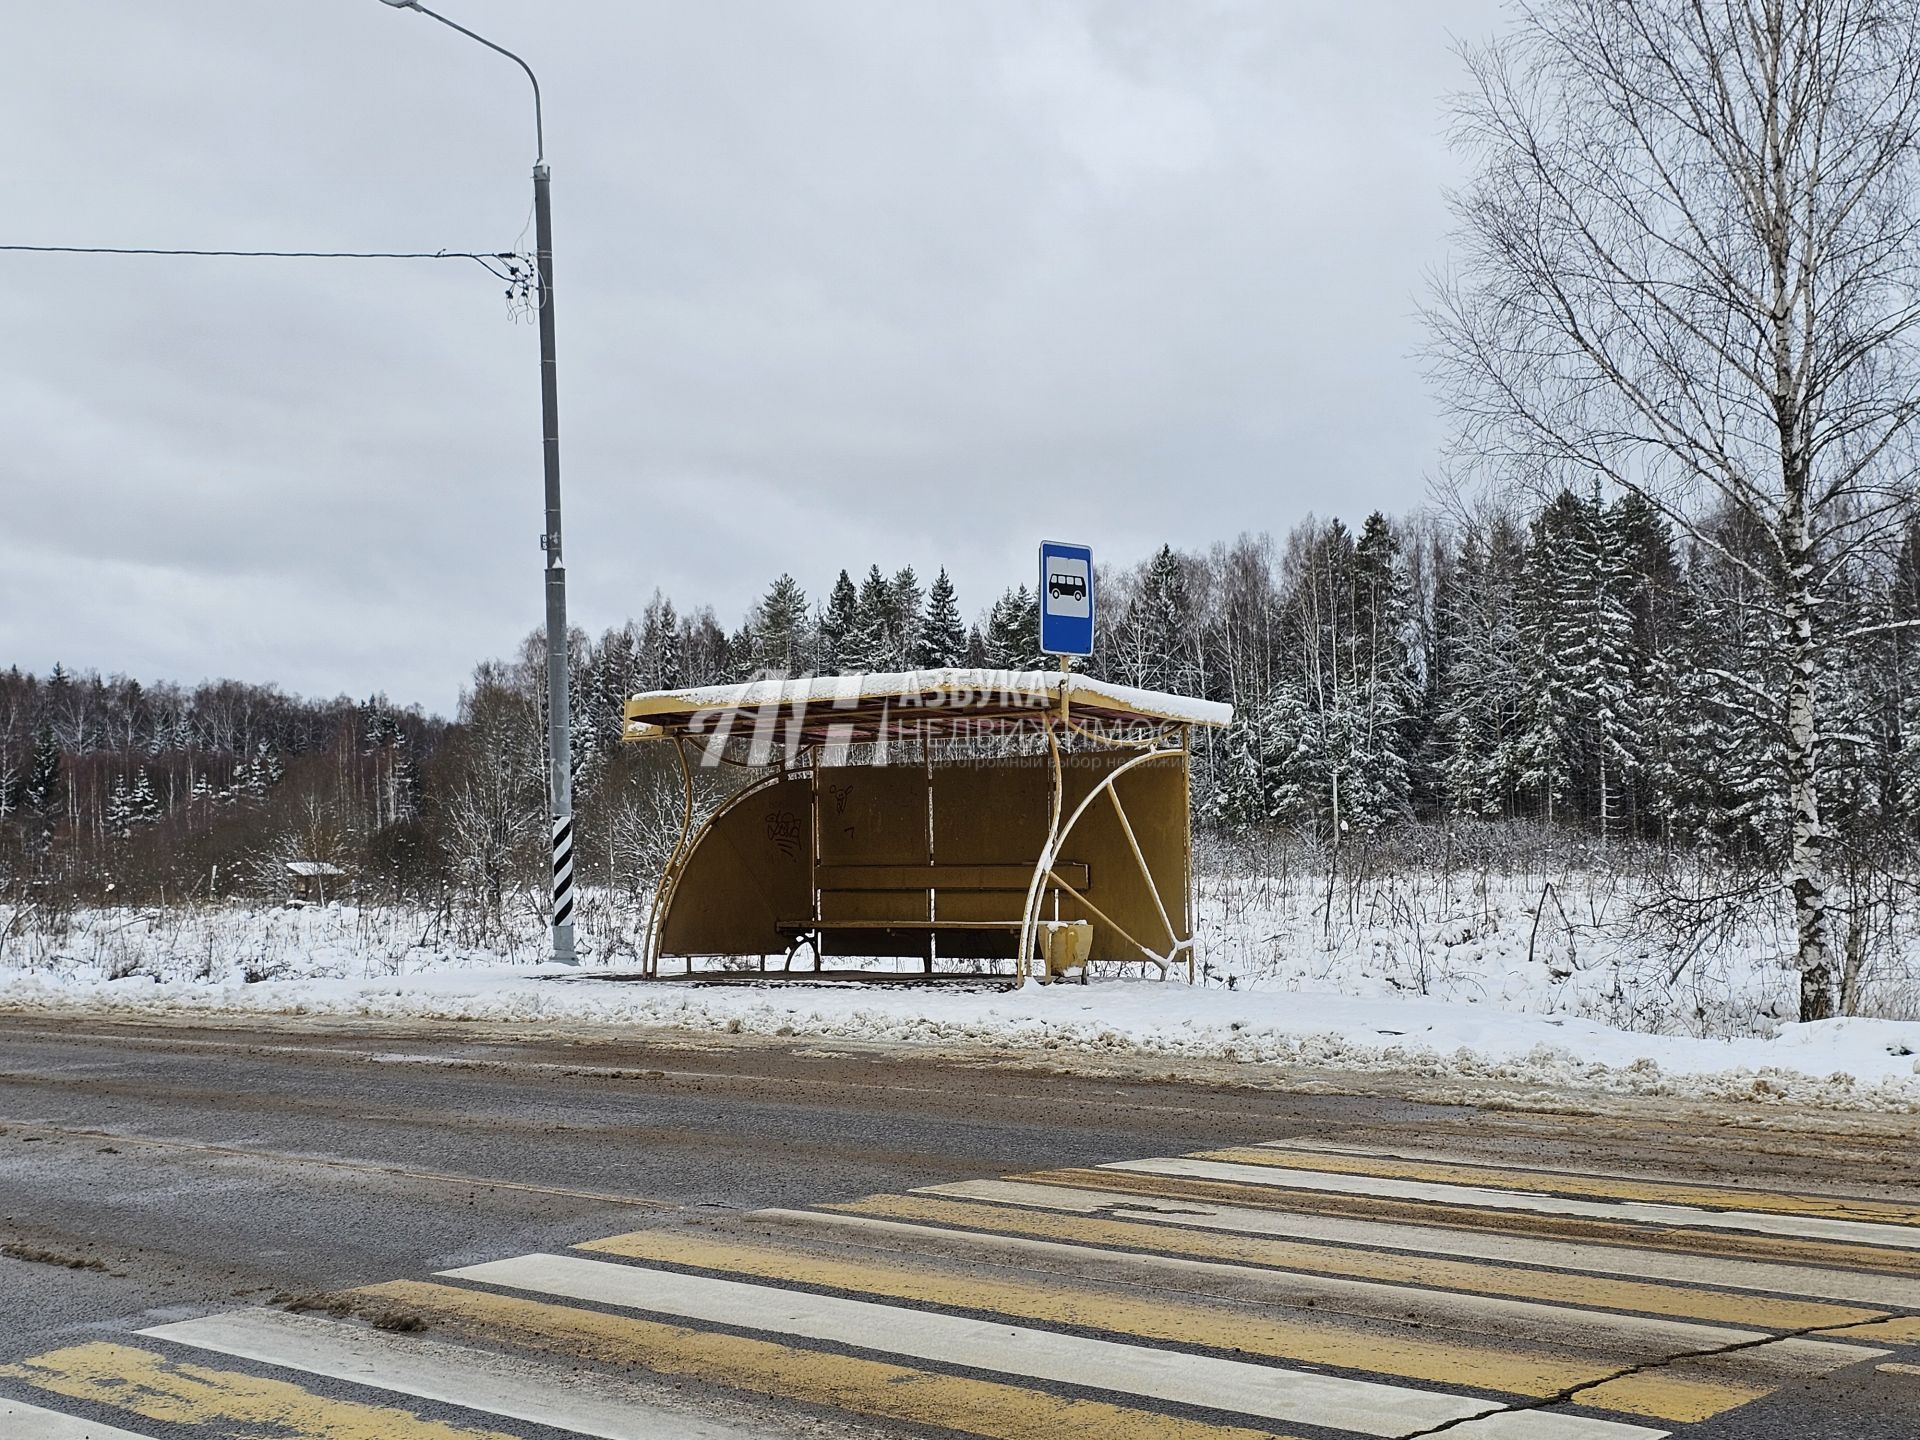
[
  {"x": 929, "y": 704},
  {"x": 313, "y": 869}
]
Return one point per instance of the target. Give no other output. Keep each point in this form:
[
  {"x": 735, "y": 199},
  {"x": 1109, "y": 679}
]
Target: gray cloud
[{"x": 838, "y": 282}]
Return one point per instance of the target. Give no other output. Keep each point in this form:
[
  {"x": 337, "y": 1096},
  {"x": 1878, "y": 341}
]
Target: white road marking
[
  {"x": 1517, "y": 1425},
  {"x": 1898, "y": 1292},
  {"x": 1419, "y": 1155},
  {"x": 515, "y": 1389},
  {"x": 20, "y": 1421},
  {"x": 1272, "y": 1392},
  {"x": 1798, "y": 1227},
  {"x": 1635, "y": 1336}
]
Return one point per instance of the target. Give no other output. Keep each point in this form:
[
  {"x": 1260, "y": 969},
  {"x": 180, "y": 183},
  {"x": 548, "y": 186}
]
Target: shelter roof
[{"x": 924, "y": 704}]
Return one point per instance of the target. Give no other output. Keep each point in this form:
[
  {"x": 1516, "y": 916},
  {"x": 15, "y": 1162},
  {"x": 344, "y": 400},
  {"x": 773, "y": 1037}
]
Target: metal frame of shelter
[{"x": 715, "y": 894}]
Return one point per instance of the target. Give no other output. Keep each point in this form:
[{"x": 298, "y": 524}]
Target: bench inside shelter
[{"x": 923, "y": 911}]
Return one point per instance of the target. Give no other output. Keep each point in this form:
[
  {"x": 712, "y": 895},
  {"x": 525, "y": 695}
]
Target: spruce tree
[
  {"x": 1157, "y": 638},
  {"x": 144, "y": 804},
  {"x": 1369, "y": 722},
  {"x": 1555, "y": 584},
  {"x": 1027, "y": 627},
  {"x": 120, "y": 809},
  {"x": 669, "y": 663},
  {"x": 613, "y": 675},
  {"x": 1604, "y": 664},
  {"x": 1657, "y": 597},
  {"x": 838, "y": 625},
  {"x": 1481, "y": 680},
  {"x": 907, "y": 620},
  {"x": 658, "y": 661},
  {"x": 42, "y": 792},
  {"x": 239, "y": 787},
  {"x": 977, "y": 649},
  {"x": 1238, "y": 791},
  {"x": 741, "y": 654},
  {"x": 1293, "y": 749},
  {"x": 943, "y": 639},
  {"x": 256, "y": 779},
  {"x": 870, "y": 644},
  {"x": 1579, "y": 743},
  {"x": 1012, "y": 638},
  {"x": 781, "y": 633}
]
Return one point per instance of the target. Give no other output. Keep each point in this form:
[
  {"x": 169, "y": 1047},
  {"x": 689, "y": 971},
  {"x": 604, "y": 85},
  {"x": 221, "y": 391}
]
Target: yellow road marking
[
  {"x": 879, "y": 1388},
  {"x": 1671, "y": 1395},
  {"x": 1587, "y": 1291},
  {"x": 1911, "y": 1371},
  {"x": 1481, "y": 1366},
  {"x": 1824, "y": 1254},
  {"x": 1901, "y": 1330},
  {"x": 176, "y": 1393},
  {"x": 1604, "y": 1187}
]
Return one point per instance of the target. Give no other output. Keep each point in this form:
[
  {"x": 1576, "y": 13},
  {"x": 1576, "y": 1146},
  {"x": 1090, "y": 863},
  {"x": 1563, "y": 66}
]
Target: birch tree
[
  {"x": 1687, "y": 266},
  {"x": 488, "y": 807}
]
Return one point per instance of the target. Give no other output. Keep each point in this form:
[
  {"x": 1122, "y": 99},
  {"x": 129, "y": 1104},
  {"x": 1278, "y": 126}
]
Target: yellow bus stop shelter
[{"x": 1031, "y": 816}]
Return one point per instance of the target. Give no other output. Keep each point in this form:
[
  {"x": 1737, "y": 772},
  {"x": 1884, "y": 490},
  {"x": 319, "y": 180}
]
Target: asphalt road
[{"x": 156, "y": 1175}]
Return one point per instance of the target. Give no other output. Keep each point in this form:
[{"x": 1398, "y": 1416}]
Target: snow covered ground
[
  {"x": 1592, "y": 1008},
  {"x": 1566, "y": 944}
]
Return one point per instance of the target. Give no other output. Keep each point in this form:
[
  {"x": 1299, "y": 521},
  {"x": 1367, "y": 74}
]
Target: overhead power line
[
  {"x": 516, "y": 269},
  {"x": 260, "y": 254}
]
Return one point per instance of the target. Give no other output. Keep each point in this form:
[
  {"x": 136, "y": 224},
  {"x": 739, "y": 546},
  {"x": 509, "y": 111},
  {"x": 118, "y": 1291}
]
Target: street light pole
[{"x": 559, "y": 702}]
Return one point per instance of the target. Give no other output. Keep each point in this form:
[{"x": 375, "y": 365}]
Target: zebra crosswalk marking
[
  {"x": 449, "y": 1374},
  {"x": 881, "y": 1389},
  {"x": 20, "y": 1421},
  {"x": 1459, "y": 1214},
  {"x": 1566, "y": 1183},
  {"x": 1481, "y": 1197},
  {"x": 1270, "y": 1392},
  {"x": 1117, "y": 1196},
  {"x": 1205, "y": 1297},
  {"x": 1392, "y": 1270},
  {"x": 1622, "y": 1338},
  {"x": 175, "y": 1392},
  {"x": 1493, "y": 1362}
]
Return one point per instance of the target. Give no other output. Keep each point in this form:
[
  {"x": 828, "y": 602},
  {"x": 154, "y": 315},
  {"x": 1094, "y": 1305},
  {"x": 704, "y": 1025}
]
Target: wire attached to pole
[
  {"x": 516, "y": 268},
  {"x": 258, "y": 254}
]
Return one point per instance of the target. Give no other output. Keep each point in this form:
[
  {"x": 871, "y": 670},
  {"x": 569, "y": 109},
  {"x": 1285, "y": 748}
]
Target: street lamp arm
[{"x": 539, "y": 130}]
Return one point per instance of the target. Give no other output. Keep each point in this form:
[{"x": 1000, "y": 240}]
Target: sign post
[{"x": 1066, "y": 599}]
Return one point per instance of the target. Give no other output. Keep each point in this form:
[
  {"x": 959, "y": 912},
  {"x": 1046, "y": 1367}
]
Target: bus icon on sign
[{"x": 1066, "y": 586}]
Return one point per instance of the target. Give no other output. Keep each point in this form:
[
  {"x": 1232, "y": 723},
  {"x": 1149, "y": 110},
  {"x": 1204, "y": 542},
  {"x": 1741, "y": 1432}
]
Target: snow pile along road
[{"x": 1847, "y": 1063}]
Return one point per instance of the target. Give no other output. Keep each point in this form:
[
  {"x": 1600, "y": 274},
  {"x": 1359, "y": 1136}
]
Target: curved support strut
[{"x": 1057, "y": 834}]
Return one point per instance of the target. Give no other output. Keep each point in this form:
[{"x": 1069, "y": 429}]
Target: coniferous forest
[{"x": 1580, "y": 673}]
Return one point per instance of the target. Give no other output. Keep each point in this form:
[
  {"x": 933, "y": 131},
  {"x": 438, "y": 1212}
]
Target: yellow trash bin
[{"x": 1065, "y": 945}]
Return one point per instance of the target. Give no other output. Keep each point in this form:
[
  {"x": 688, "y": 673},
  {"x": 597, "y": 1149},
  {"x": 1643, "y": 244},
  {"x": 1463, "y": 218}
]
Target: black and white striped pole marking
[{"x": 563, "y": 874}]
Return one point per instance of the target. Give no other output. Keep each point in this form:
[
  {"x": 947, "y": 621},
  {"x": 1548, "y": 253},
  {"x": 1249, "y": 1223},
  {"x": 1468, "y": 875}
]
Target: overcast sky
[{"x": 839, "y": 281}]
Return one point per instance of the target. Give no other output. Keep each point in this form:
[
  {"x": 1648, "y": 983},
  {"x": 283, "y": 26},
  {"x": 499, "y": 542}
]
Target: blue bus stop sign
[{"x": 1066, "y": 599}]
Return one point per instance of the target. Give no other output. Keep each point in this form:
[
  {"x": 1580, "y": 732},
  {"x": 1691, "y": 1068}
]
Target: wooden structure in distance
[{"x": 1035, "y": 803}]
